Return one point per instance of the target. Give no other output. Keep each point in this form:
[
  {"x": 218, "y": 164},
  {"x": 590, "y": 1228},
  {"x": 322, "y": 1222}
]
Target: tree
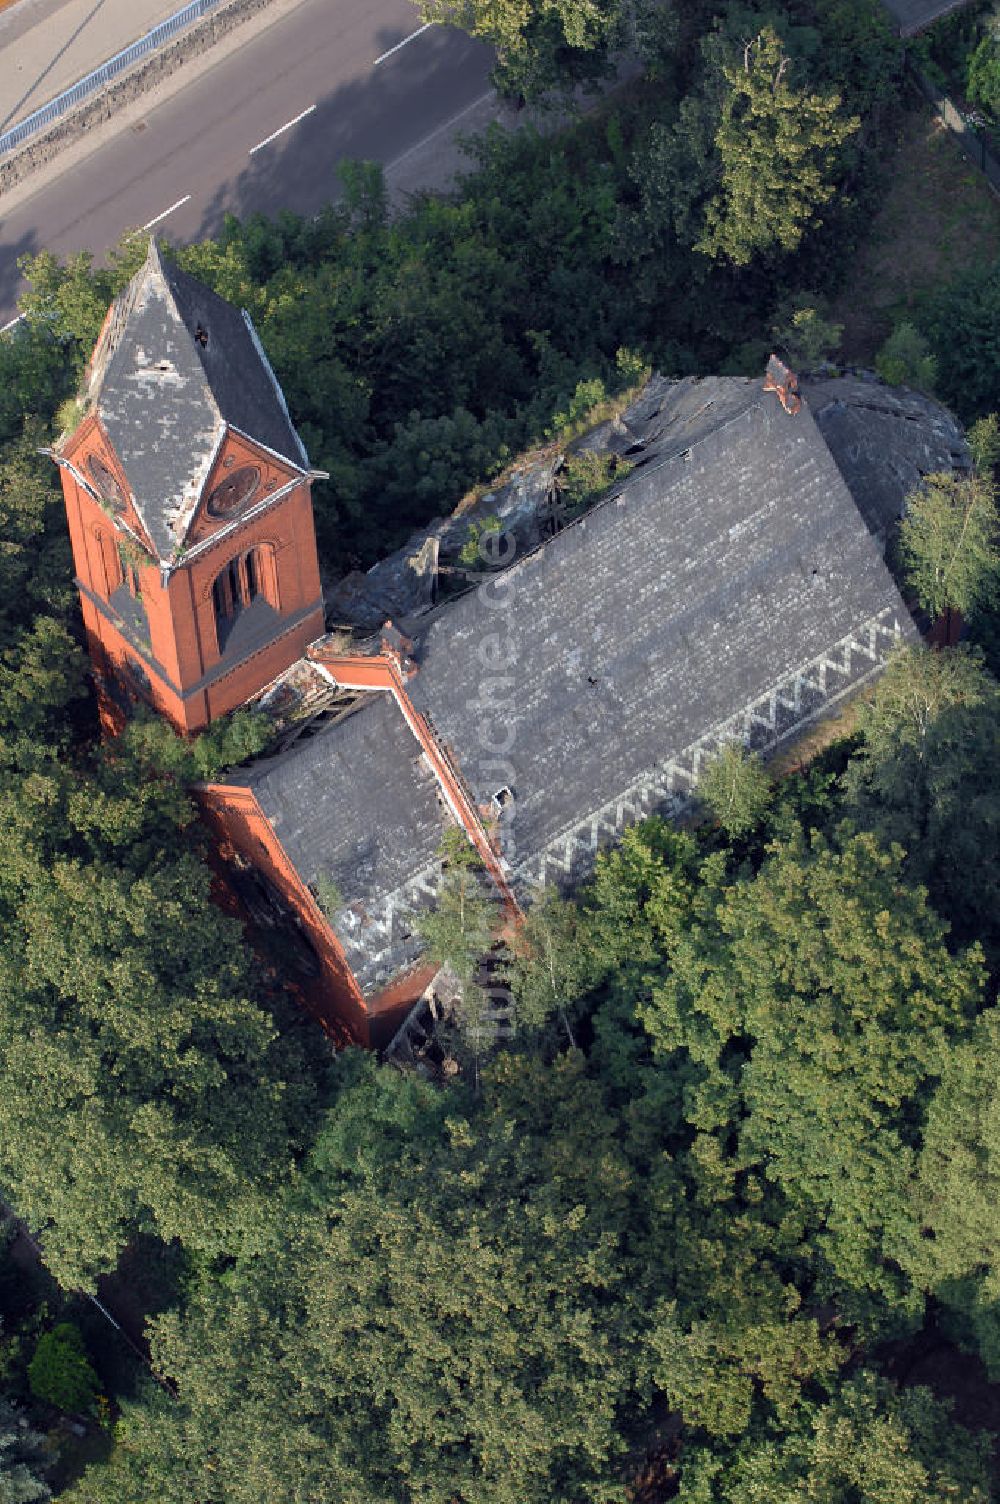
[
  {"x": 906, "y": 360},
  {"x": 805, "y": 334},
  {"x": 950, "y": 541},
  {"x": 957, "y": 1220},
  {"x": 926, "y": 777},
  {"x": 475, "y": 1345},
  {"x": 984, "y": 444},
  {"x": 736, "y": 788},
  {"x": 552, "y": 965},
  {"x": 60, "y": 1373},
  {"x": 23, "y": 1458},
  {"x": 547, "y": 45},
  {"x": 816, "y": 1000},
  {"x": 142, "y": 1084},
  {"x": 36, "y": 568},
  {"x": 41, "y": 681},
  {"x": 871, "y": 1444},
  {"x": 459, "y": 929},
  {"x": 777, "y": 145},
  {"x": 962, "y": 323},
  {"x": 984, "y": 73}
]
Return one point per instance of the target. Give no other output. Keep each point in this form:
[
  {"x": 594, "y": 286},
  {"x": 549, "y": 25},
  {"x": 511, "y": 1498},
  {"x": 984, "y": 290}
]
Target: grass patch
[
  {"x": 796, "y": 756},
  {"x": 937, "y": 218}
]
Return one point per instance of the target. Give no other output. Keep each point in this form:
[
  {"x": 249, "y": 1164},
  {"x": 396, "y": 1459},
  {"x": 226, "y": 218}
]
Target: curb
[{"x": 72, "y": 127}]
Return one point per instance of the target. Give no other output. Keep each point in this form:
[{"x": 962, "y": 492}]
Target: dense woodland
[{"x": 676, "y": 1234}]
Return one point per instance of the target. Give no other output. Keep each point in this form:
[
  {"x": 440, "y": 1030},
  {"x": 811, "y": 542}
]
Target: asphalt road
[{"x": 201, "y": 153}]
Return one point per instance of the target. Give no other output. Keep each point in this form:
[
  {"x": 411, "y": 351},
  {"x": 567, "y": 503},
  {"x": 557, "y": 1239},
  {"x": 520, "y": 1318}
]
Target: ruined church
[{"x": 728, "y": 583}]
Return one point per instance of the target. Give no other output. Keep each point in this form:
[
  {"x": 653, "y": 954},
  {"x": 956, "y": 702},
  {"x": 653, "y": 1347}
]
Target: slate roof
[
  {"x": 884, "y": 439},
  {"x": 165, "y": 397},
  {"x": 912, "y": 16},
  {"x": 727, "y": 586},
  {"x": 358, "y": 804},
  {"x": 731, "y": 555}
]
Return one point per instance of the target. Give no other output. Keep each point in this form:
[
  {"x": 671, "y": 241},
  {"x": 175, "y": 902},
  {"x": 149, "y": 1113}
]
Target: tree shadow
[
  {"x": 380, "y": 117},
  {"x": 412, "y": 96}
]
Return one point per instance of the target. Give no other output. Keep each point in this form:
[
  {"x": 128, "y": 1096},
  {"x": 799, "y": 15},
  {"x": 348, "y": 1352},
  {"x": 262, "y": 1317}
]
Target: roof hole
[{"x": 502, "y": 800}]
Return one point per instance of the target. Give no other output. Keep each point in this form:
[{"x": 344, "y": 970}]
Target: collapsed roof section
[
  {"x": 883, "y": 439},
  {"x": 726, "y": 587},
  {"x": 174, "y": 367}
]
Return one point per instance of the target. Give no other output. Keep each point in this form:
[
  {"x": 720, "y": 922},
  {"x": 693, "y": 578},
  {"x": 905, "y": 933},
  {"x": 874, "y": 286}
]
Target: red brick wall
[
  {"x": 181, "y": 614},
  {"x": 239, "y": 825}
]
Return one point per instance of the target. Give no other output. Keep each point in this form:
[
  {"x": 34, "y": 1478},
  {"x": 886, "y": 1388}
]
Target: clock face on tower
[
  {"x": 234, "y": 493},
  {"x": 105, "y": 483}
]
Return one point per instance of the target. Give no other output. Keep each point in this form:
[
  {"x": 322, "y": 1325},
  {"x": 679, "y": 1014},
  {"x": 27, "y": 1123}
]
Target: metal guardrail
[
  {"x": 105, "y": 73},
  {"x": 971, "y": 142}
]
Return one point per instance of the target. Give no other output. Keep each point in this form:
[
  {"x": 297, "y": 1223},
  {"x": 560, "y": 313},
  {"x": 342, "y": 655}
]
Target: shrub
[
  {"x": 905, "y": 359},
  {"x": 59, "y": 1373}
]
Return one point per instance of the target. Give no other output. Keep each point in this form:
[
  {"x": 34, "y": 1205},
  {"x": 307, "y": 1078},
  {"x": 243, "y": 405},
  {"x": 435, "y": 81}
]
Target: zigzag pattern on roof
[
  {"x": 804, "y": 695},
  {"x": 379, "y": 943}
]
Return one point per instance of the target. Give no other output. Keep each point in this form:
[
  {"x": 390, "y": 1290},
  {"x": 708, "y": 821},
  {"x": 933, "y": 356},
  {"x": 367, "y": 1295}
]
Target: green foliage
[
  {"x": 23, "y": 1460},
  {"x": 36, "y": 567},
  {"x": 926, "y": 777},
  {"x": 459, "y": 929},
  {"x": 41, "y": 681},
  {"x": 235, "y": 739},
  {"x": 736, "y": 788},
  {"x": 905, "y": 359},
  {"x": 69, "y": 300},
  {"x": 962, "y": 324},
  {"x": 983, "y": 78},
  {"x": 578, "y": 415},
  {"x": 777, "y": 146},
  {"x": 950, "y": 541},
  {"x": 472, "y": 553},
  {"x": 142, "y": 1085},
  {"x": 476, "y": 1341},
  {"x": 713, "y": 1371},
  {"x": 552, "y": 965},
  {"x": 984, "y": 443},
  {"x": 805, "y": 335},
  {"x": 837, "y": 973},
  {"x": 34, "y": 377},
  {"x": 60, "y": 1373},
  {"x": 546, "y": 46},
  {"x": 586, "y": 474},
  {"x": 871, "y": 1444},
  {"x": 959, "y": 1171},
  {"x": 328, "y": 894}
]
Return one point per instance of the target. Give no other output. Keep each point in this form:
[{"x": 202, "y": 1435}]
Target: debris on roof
[{"x": 725, "y": 586}]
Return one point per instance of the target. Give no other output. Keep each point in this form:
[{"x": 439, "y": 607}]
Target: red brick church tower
[{"x": 188, "y": 497}]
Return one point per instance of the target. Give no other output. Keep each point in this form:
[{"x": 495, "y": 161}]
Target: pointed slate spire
[{"x": 175, "y": 365}]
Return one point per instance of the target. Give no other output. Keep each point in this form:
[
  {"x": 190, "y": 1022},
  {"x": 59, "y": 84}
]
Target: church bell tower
[{"x": 187, "y": 491}]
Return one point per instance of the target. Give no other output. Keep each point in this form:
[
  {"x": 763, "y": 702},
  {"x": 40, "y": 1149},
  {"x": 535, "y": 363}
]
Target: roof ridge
[{"x": 612, "y": 495}]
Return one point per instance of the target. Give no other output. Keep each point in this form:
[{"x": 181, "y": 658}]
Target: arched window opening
[
  {"x": 237, "y": 587},
  {"x": 129, "y": 573}
]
